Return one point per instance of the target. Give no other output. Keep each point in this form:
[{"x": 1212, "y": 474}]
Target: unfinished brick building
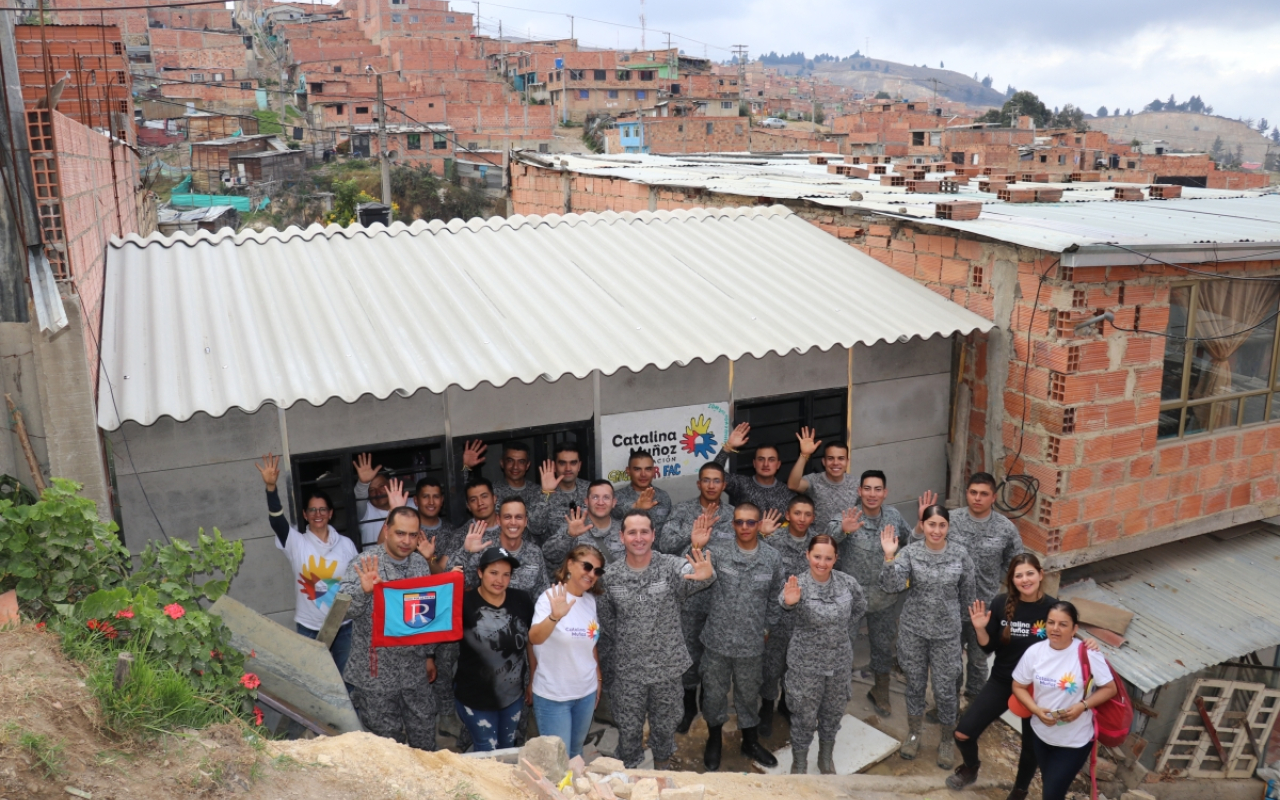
[{"x": 90, "y": 63}]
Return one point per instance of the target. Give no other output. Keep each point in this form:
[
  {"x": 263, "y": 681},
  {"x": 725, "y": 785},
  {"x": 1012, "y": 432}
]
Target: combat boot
[
  {"x": 826, "y": 750},
  {"x": 947, "y": 747},
  {"x": 711, "y": 755},
  {"x": 915, "y": 726},
  {"x": 799, "y": 760},
  {"x": 751, "y": 749},
  {"x": 766, "y": 718},
  {"x": 690, "y": 710},
  {"x": 879, "y": 695}
]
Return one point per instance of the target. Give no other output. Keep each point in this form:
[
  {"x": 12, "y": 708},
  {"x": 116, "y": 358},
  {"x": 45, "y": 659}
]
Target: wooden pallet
[{"x": 1231, "y": 706}]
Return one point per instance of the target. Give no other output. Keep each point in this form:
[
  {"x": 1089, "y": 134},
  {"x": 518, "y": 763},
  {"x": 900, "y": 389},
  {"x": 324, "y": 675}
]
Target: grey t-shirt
[{"x": 941, "y": 588}]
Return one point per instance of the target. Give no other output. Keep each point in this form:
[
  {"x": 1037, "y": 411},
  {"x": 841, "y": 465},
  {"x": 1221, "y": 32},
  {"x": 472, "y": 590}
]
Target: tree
[
  {"x": 346, "y": 196},
  {"x": 882, "y": 95},
  {"x": 1155, "y": 105},
  {"x": 987, "y": 81},
  {"x": 1070, "y": 117},
  {"x": 942, "y": 65},
  {"x": 1275, "y": 135},
  {"x": 1117, "y": 111},
  {"x": 1102, "y": 111},
  {"x": 1024, "y": 103},
  {"x": 1216, "y": 150},
  {"x": 819, "y": 115},
  {"x": 1263, "y": 125}
]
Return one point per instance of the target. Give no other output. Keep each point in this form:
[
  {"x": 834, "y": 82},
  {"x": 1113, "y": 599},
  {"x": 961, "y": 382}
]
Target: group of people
[{"x": 758, "y": 587}]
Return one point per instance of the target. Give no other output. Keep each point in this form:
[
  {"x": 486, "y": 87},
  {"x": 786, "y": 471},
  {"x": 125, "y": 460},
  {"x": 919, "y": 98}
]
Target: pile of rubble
[{"x": 546, "y": 769}]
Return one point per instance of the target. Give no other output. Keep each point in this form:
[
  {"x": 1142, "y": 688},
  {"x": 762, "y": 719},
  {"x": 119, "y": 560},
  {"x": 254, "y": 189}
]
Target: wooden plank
[
  {"x": 1102, "y": 615},
  {"x": 1213, "y": 732},
  {"x": 295, "y": 714},
  {"x": 1103, "y": 635},
  {"x": 332, "y": 622}
]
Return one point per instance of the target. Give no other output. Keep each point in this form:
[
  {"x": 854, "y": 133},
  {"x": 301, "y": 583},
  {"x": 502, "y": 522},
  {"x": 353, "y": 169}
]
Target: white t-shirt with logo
[
  {"x": 1056, "y": 682},
  {"x": 566, "y": 660},
  {"x": 318, "y": 568}
]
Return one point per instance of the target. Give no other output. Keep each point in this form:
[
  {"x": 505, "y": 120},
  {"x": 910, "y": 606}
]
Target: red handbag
[{"x": 1016, "y": 706}]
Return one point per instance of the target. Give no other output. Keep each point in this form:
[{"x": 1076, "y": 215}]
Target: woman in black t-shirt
[
  {"x": 1014, "y": 622},
  {"x": 492, "y": 683}
]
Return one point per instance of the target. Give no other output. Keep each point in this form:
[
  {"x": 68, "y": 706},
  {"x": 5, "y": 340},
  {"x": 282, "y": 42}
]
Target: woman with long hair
[
  {"x": 941, "y": 580},
  {"x": 566, "y": 679},
  {"x": 827, "y": 606},
  {"x": 1062, "y": 732}
]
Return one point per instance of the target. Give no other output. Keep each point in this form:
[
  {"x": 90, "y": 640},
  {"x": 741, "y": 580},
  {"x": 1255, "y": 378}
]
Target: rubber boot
[
  {"x": 782, "y": 707},
  {"x": 690, "y": 710},
  {"x": 752, "y": 749},
  {"x": 963, "y": 777},
  {"x": 947, "y": 747},
  {"x": 826, "y": 750},
  {"x": 662, "y": 766},
  {"x": 711, "y": 755},
  {"x": 766, "y": 718},
  {"x": 912, "y": 745},
  {"x": 879, "y": 695},
  {"x": 799, "y": 760}
]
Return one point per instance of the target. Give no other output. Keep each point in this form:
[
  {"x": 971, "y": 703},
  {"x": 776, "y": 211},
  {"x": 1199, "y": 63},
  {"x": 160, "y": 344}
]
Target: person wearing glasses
[
  {"x": 741, "y": 612},
  {"x": 318, "y": 554},
  {"x": 676, "y": 538},
  {"x": 391, "y": 690},
  {"x": 762, "y": 489},
  {"x": 593, "y": 525},
  {"x": 567, "y": 677}
]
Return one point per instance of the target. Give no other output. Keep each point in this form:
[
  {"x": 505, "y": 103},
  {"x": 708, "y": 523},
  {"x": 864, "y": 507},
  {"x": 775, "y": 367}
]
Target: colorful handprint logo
[
  {"x": 319, "y": 582},
  {"x": 698, "y": 438}
]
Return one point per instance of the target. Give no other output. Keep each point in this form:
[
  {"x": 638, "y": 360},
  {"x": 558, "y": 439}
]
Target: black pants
[
  {"x": 1058, "y": 766},
  {"x": 986, "y": 708}
]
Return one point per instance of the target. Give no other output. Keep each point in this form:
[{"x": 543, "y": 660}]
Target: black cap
[{"x": 498, "y": 554}]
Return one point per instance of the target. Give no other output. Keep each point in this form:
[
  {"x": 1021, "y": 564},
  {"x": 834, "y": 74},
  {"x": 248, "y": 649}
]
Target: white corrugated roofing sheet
[
  {"x": 1196, "y": 603},
  {"x": 211, "y": 322}
]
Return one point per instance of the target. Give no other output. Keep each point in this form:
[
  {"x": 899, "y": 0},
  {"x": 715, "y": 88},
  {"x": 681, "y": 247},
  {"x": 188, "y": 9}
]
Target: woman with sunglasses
[
  {"x": 319, "y": 556},
  {"x": 566, "y": 677}
]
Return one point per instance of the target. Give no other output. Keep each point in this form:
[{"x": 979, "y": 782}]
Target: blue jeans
[
  {"x": 491, "y": 730},
  {"x": 341, "y": 647},
  {"x": 568, "y": 719}
]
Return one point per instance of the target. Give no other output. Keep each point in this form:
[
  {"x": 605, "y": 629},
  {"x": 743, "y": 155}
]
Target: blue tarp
[{"x": 242, "y": 204}]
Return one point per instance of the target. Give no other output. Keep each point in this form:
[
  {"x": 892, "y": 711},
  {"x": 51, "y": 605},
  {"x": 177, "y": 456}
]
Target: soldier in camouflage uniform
[
  {"x": 428, "y": 498},
  {"x": 832, "y": 490},
  {"x": 940, "y": 576},
  {"x": 764, "y": 489},
  {"x": 593, "y": 525},
  {"x": 511, "y": 535},
  {"x": 827, "y": 605},
  {"x": 640, "y": 494},
  {"x": 792, "y": 543},
  {"x": 676, "y": 534},
  {"x": 741, "y": 613},
  {"x": 515, "y": 463},
  {"x": 862, "y": 557},
  {"x": 562, "y": 490},
  {"x": 642, "y": 650},
  {"x": 393, "y": 694}
]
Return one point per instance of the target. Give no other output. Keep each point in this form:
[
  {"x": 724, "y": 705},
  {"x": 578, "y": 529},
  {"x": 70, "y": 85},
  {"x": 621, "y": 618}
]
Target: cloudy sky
[{"x": 1092, "y": 52}]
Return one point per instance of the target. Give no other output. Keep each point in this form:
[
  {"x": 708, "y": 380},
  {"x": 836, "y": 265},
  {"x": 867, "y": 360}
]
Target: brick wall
[{"x": 535, "y": 190}]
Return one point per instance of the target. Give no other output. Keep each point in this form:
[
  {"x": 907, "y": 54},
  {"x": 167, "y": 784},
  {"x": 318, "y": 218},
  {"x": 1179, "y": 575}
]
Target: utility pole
[
  {"x": 570, "y": 27},
  {"x": 642, "y": 44},
  {"x": 382, "y": 147},
  {"x": 477, "y": 19}
]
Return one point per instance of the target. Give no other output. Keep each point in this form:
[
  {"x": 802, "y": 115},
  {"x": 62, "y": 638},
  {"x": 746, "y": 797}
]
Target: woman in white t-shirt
[
  {"x": 566, "y": 678},
  {"x": 1048, "y": 681}
]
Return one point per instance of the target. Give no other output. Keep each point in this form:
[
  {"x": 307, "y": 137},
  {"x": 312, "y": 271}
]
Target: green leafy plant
[{"x": 47, "y": 753}]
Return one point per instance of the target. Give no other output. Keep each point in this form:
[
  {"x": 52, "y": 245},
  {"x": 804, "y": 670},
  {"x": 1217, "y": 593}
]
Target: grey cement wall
[{"x": 199, "y": 473}]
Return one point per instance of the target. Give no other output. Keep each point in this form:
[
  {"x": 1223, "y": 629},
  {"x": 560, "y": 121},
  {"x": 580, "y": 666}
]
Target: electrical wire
[
  {"x": 606, "y": 22},
  {"x": 1176, "y": 337},
  {"x": 1251, "y": 278}
]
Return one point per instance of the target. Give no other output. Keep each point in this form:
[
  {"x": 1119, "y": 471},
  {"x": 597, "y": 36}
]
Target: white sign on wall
[{"x": 680, "y": 439}]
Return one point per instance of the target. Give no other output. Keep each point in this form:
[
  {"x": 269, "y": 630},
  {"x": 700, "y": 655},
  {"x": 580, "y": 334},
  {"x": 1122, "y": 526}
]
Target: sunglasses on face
[
  {"x": 599, "y": 571},
  {"x": 745, "y": 523}
]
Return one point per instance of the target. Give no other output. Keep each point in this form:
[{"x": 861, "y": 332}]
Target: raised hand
[
  {"x": 851, "y": 522},
  {"x": 269, "y": 469},
  {"x": 396, "y": 495},
  {"x": 738, "y": 438},
  {"x": 579, "y": 521},
  {"x": 547, "y": 474},
  {"x": 791, "y": 591},
  {"x": 770, "y": 521},
  {"x": 701, "y": 562},
  {"x": 474, "y": 542},
  {"x": 427, "y": 546},
  {"x": 702, "y": 530},
  {"x": 364, "y": 467},
  {"x": 808, "y": 445},
  {"x": 979, "y": 614},
  {"x": 367, "y": 569},
  {"x": 646, "y": 500},
  {"x": 561, "y": 602},
  {"x": 889, "y": 541},
  {"x": 929, "y": 498},
  {"x": 473, "y": 454}
]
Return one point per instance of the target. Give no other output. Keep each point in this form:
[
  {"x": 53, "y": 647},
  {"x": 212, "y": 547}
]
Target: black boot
[
  {"x": 963, "y": 777},
  {"x": 783, "y": 710},
  {"x": 690, "y": 710},
  {"x": 752, "y": 749},
  {"x": 711, "y": 755},
  {"x": 766, "y": 718}
]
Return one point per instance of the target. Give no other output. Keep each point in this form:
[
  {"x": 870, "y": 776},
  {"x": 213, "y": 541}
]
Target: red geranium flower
[
  {"x": 173, "y": 610},
  {"x": 250, "y": 681},
  {"x": 215, "y": 655},
  {"x": 40, "y": 626},
  {"x": 108, "y": 630},
  {"x": 126, "y": 614},
  {"x": 93, "y": 624},
  {"x": 257, "y": 716}
]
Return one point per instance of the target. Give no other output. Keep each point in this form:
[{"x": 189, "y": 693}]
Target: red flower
[
  {"x": 257, "y": 716},
  {"x": 173, "y": 610},
  {"x": 40, "y": 626},
  {"x": 253, "y": 654},
  {"x": 93, "y": 624},
  {"x": 215, "y": 655},
  {"x": 126, "y": 614},
  {"x": 250, "y": 681},
  {"x": 108, "y": 630}
]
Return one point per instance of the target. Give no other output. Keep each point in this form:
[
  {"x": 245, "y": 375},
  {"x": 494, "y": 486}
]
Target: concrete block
[
  {"x": 200, "y": 440},
  {"x": 911, "y": 467},
  {"x": 626, "y": 391},
  {"x": 645, "y": 789},
  {"x": 225, "y": 495},
  {"x": 547, "y": 754},
  {"x": 900, "y": 409},
  {"x": 621, "y": 788},
  {"x": 582, "y": 785},
  {"x": 337, "y": 425},
  {"x": 693, "y": 792},
  {"x": 798, "y": 372},
  {"x": 605, "y": 766},
  {"x": 517, "y": 405},
  {"x": 265, "y": 582},
  {"x": 886, "y": 361},
  {"x": 858, "y": 746}
]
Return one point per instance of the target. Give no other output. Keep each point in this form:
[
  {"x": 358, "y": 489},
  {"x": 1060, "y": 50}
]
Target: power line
[
  {"x": 606, "y": 22},
  {"x": 1253, "y": 257},
  {"x": 146, "y": 7}
]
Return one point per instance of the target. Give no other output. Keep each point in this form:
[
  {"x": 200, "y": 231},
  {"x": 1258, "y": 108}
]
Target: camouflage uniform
[
  {"x": 397, "y": 702},
  {"x": 831, "y": 499},
  {"x": 530, "y": 493},
  {"x": 746, "y": 489},
  {"x": 942, "y": 588},
  {"x": 531, "y": 577},
  {"x": 642, "y": 652},
  {"x": 548, "y": 511},
  {"x": 608, "y": 542},
  {"x": 795, "y": 561},
  {"x": 742, "y": 610},
  {"x": 862, "y": 556},
  {"x": 677, "y": 535},
  {"x": 625, "y": 496},
  {"x": 820, "y": 660},
  {"x": 448, "y": 541}
]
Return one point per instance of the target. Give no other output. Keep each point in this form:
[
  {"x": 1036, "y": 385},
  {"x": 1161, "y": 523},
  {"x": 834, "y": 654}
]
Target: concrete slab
[{"x": 858, "y": 746}]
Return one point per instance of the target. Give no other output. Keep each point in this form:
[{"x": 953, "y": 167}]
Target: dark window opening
[
  {"x": 575, "y": 74},
  {"x": 439, "y": 142},
  {"x": 541, "y": 441},
  {"x": 362, "y": 109},
  {"x": 413, "y": 141},
  {"x": 646, "y": 74},
  {"x": 599, "y": 75},
  {"x": 917, "y": 138},
  {"x": 775, "y": 420}
]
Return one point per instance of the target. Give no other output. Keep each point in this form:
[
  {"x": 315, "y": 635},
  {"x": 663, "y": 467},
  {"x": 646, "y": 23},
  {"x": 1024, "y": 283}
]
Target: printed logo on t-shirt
[
  {"x": 1068, "y": 683},
  {"x": 1026, "y": 630},
  {"x": 318, "y": 581},
  {"x": 590, "y": 631}
]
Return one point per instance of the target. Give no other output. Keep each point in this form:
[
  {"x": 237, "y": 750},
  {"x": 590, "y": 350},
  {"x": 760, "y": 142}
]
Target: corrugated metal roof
[
  {"x": 1196, "y": 603},
  {"x": 217, "y": 321}
]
